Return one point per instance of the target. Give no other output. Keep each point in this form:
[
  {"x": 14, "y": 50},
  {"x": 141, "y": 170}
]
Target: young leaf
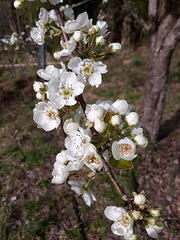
[{"x": 120, "y": 164}]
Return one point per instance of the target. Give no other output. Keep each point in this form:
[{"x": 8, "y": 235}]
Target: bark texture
[{"x": 164, "y": 30}]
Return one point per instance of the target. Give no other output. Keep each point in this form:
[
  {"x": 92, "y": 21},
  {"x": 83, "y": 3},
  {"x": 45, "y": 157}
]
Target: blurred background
[{"x": 146, "y": 73}]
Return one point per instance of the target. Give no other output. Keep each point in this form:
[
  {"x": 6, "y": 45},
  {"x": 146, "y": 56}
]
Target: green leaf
[
  {"x": 99, "y": 144},
  {"x": 107, "y": 117},
  {"x": 120, "y": 164}
]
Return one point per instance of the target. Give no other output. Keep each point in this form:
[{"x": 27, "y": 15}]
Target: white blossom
[
  {"x": 82, "y": 22},
  {"x": 91, "y": 158},
  {"x": 139, "y": 199},
  {"x": 37, "y": 86},
  {"x": 60, "y": 173},
  {"x": 80, "y": 188},
  {"x": 141, "y": 140},
  {"x": 153, "y": 231},
  {"x": 121, "y": 107},
  {"x": 114, "y": 47},
  {"x": 100, "y": 41},
  {"x": 99, "y": 125},
  {"x": 46, "y": 116},
  {"x": 103, "y": 28},
  {"x": 88, "y": 69},
  {"x": 51, "y": 72},
  {"x": 124, "y": 149},
  {"x": 69, "y": 13},
  {"x": 68, "y": 48},
  {"x": 123, "y": 223},
  {"x": 78, "y": 36},
  {"x": 115, "y": 120},
  {"x": 93, "y": 112},
  {"x": 62, "y": 91},
  {"x": 70, "y": 126},
  {"x": 76, "y": 142},
  {"x": 132, "y": 119}
]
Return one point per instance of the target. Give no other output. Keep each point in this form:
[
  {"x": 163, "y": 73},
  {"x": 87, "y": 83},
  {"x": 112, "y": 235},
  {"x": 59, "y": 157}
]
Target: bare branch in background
[
  {"x": 79, "y": 4},
  {"x": 141, "y": 22}
]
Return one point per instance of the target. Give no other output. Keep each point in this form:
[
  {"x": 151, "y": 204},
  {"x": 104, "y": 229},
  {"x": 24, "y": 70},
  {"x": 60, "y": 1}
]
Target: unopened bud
[
  {"x": 115, "y": 120},
  {"x": 100, "y": 41},
  {"x": 152, "y": 221},
  {"x": 37, "y": 86},
  {"x": 78, "y": 36},
  {"x": 155, "y": 212},
  {"x": 18, "y": 4},
  {"x": 141, "y": 141},
  {"x": 114, "y": 47},
  {"x": 139, "y": 199},
  {"x": 136, "y": 214},
  {"x": 132, "y": 119},
  {"x": 99, "y": 125}
]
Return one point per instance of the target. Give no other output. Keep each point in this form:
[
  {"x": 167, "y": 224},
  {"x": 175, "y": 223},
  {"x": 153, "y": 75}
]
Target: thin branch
[
  {"x": 61, "y": 23},
  {"x": 79, "y": 4},
  {"x": 141, "y": 22},
  {"x": 114, "y": 181}
]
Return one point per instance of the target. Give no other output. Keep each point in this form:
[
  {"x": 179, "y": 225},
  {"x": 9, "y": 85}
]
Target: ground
[{"x": 33, "y": 208}]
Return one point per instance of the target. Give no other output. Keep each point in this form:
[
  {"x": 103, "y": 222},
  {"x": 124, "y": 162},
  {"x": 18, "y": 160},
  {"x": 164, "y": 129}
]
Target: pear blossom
[
  {"x": 153, "y": 231},
  {"x": 121, "y": 107},
  {"x": 51, "y": 72},
  {"x": 76, "y": 141},
  {"x": 132, "y": 119},
  {"x": 141, "y": 140},
  {"x": 99, "y": 125},
  {"x": 60, "y": 173},
  {"x": 78, "y": 36},
  {"x": 80, "y": 187},
  {"x": 82, "y": 22},
  {"x": 100, "y": 41},
  {"x": 18, "y": 4},
  {"x": 62, "y": 91},
  {"x": 114, "y": 47},
  {"x": 37, "y": 86},
  {"x": 115, "y": 120},
  {"x": 103, "y": 28},
  {"x": 93, "y": 112},
  {"x": 91, "y": 158},
  {"x": 155, "y": 212},
  {"x": 69, "y": 13},
  {"x": 72, "y": 163},
  {"x": 68, "y": 48},
  {"x": 124, "y": 149},
  {"x": 139, "y": 199},
  {"x": 123, "y": 223},
  {"x": 70, "y": 126},
  {"x": 88, "y": 69},
  {"x": 46, "y": 116}
]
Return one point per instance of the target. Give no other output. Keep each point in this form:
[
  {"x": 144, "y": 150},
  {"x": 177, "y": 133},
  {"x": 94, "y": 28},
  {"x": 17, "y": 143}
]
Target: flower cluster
[
  {"x": 98, "y": 136},
  {"x": 125, "y": 222}
]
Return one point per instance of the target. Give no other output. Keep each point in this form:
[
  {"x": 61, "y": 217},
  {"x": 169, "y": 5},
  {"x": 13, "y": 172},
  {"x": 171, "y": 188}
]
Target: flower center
[
  {"x": 93, "y": 159},
  {"x": 66, "y": 92},
  {"x": 125, "y": 220},
  {"x": 125, "y": 149},
  {"x": 52, "y": 115},
  {"x": 86, "y": 70}
]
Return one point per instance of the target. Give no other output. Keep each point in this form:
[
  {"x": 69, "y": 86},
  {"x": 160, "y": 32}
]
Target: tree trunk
[{"x": 156, "y": 86}]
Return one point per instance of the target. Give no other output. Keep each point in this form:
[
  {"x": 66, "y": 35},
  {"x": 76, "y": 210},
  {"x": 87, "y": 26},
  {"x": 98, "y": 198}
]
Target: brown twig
[{"x": 61, "y": 23}]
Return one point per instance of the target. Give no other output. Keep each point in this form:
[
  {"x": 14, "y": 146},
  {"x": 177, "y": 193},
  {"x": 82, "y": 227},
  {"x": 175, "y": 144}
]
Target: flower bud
[
  {"x": 18, "y": 4},
  {"x": 57, "y": 55},
  {"x": 39, "y": 96},
  {"x": 78, "y": 36},
  {"x": 70, "y": 126},
  {"x": 115, "y": 120},
  {"x": 152, "y": 221},
  {"x": 100, "y": 41},
  {"x": 155, "y": 212},
  {"x": 136, "y": 215},
  {"x": 134, "y": 237},
  {"x": 114, "y": 47},
  {"x": 139, "y": 199},
  {"x": 141, "y": 141},
  {"x": 37, "y": 86},
  {"x": 132, "y": 119},
  {"x": 99, "y": 125},
  {"x": 94, "y": 29}
]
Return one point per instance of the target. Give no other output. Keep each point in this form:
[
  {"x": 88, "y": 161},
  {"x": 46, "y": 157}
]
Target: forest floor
[{"x": 34, "y": 209}]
